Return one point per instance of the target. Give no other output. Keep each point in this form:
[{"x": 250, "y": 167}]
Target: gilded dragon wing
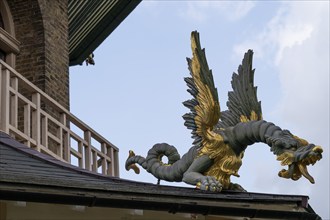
[
  {"x": 204, "y": 107},
  {"x": 243, "y": 104},
  {"x": 205, "y": 115}
]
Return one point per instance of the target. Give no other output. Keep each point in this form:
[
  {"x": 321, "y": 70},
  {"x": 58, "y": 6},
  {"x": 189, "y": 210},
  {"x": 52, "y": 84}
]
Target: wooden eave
[
  {"x": 28, "y": 175},
  {"x": 91, "y": 22}
]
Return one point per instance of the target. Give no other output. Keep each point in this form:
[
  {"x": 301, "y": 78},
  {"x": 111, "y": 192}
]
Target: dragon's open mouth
[{"x": 299, "y": 168}]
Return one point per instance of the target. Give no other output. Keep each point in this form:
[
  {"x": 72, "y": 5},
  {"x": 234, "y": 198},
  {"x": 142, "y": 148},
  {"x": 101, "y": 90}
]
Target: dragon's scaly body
[{"x": 220, "y": 138}]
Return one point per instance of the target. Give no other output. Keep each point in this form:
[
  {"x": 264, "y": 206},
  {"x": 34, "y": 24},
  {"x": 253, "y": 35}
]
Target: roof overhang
[
  {"x": 254, "y": 206},
  {"x": 91, "y": 22}
]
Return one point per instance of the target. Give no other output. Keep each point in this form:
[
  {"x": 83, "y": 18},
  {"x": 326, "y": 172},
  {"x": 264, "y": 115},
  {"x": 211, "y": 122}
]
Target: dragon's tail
[
  {"x": 132, "y": 159},
  {"x": 172, "y": 171}
]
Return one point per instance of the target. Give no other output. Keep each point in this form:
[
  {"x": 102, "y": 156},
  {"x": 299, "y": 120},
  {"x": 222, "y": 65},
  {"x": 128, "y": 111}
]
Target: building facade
[
  {"x": 39, "y": 40},
  {"x": 40, "y": 31}
]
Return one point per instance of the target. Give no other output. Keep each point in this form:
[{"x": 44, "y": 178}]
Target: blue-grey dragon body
[{"x": 220, "y": 138}]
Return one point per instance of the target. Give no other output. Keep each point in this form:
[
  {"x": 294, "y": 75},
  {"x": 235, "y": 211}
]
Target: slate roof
[
  {"x": 91, "y": 22},
  {"x": 28, "y": 175}
]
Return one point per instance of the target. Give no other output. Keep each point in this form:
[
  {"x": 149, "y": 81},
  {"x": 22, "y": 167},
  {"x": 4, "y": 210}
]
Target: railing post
[
  {"x": 66, "y": 139},
  {"x": 104, "y": 160},
  {"x": 80, "y": 150},
  {"x": 115, "y": 163},
  {"x": 94, "y": 165},
  {"x": 44, "y": 131},
  {"x": 4, "y": 98},
  {"x": 110, "y": 152},
  {"x": 36, "y": 120},
  {"x": 14, "y": 103},
  {"x": 88, "y": 150},
  {"x": 27, "y": 123}
]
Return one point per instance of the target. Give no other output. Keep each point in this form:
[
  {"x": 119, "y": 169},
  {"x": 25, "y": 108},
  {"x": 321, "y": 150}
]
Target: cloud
[
  {"x": 296, "y": 42},
  {"x": 201, "y": 11},
  {"x": 300, "y": 44},
  {"x": 303, "y": 66},
  {"x": 292, "y": 25}
]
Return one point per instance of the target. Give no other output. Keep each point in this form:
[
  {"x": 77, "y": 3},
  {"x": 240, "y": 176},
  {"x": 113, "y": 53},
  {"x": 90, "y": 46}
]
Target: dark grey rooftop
[{"x": 28, "y": 175}]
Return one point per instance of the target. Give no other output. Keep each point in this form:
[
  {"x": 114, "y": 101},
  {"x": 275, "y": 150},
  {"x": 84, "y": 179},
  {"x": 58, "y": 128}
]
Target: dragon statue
[{"x": 221, "y": 137}]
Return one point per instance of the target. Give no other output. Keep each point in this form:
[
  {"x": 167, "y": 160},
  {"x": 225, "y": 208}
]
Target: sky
[{"x": 133, "y": 95}]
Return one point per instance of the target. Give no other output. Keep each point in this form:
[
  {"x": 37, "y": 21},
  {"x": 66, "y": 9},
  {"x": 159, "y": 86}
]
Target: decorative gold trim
[
  {"x": 300, "y": 167},
  {"x": 226, "y": 162},
  {"x": 302, "y": 142},
  {"x": 224, "y": 167},
  {"x": 286, "y": 158},
  {"x": 253, "y": 117},
  {"x": 133, "y": 166},
  {"x": 243, "y": 118}
]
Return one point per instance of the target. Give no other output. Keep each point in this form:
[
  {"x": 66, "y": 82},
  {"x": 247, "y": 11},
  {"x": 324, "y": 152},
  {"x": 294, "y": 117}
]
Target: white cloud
[
  {"x": 296, "y": 42},
  {"x": 292, "y": 35},
  {"x": 292, "y": 25},
  {"x": 201, "y": 11},
  {"x": 302, "y": 60},
  {"x": 195, "y": 11},
  {"x": 236, "y": 10}
]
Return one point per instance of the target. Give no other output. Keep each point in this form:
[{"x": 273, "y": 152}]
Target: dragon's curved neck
[{"x": 247, "y": 133}]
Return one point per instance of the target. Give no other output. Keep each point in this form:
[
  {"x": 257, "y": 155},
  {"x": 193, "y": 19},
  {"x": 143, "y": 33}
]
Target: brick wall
[{"x": 42, "y": 28}]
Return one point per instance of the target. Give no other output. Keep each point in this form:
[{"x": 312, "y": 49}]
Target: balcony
[{"x": 24, "y": 117}]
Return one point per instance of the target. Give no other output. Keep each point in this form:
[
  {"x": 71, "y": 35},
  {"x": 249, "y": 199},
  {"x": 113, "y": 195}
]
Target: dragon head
[{"x": 298, "y": 157}]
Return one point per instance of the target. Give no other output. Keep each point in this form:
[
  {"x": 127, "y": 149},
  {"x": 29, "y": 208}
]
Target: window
[{"x": 9, "y": 46}]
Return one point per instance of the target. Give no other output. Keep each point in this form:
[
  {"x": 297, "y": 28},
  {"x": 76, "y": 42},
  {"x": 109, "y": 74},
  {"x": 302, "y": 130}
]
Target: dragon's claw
[{"x": 209, "y": 183}]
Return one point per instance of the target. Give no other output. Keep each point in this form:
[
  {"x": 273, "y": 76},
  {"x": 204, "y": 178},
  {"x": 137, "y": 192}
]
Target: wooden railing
[{"x": 23, "y": 116}]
